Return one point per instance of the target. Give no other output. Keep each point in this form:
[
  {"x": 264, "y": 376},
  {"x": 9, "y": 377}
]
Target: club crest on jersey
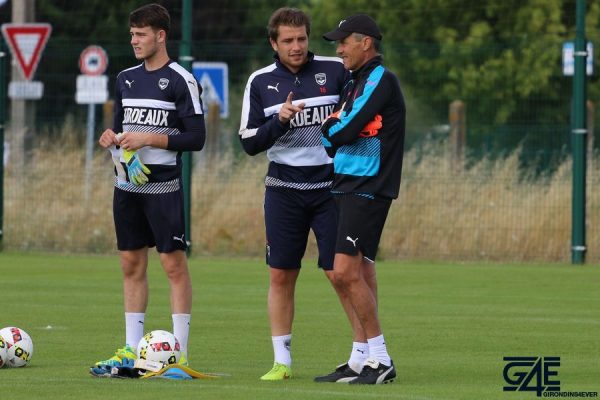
[
  {"x": 321, "y": 78},
  {"x": 163, "y": 83}
]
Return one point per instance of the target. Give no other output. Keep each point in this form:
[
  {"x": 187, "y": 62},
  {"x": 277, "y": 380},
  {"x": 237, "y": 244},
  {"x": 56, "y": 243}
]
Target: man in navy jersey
[
  {"x": 158, "y": 114},
  {"x": 283, "y": 107}
]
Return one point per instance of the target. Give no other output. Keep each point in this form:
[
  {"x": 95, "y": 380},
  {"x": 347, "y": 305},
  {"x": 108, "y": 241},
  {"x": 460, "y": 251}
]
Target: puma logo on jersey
[
  {"x": 348, "y": 238},
  {"x": 129, "y": 83},
  {"x": 179, "y": 238},
  {"x": 275, "y": 88},
  {"x": 144, "y": 116}
]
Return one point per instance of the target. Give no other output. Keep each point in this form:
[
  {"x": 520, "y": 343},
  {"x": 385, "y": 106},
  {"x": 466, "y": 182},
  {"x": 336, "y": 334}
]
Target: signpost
[
  {"x": 26, "y": 43},
  {"x": 568, "y": 53},
  {"x": 92, "y": 89},
  {"x": 214, "y": 79}
]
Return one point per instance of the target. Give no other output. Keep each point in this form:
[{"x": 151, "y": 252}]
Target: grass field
[{"x": 448, "y": 328}]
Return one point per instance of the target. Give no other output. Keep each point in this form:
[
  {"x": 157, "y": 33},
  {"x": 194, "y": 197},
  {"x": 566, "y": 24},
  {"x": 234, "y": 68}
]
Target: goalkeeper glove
[
  {"x": 372, "y": 128},
  {"x": 116, "y": 158},
  {"x": 137, "y": 171}
]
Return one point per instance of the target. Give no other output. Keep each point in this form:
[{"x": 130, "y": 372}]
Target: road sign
[
  {"x": 25, "y": 90},
  {"x": 91, "y": 89},
  {"x": 93, "y": 60},
  {"x": 214, "y": 79},
  {"x": 26, "y": 42},
  {"x": 569, "y": 59}
]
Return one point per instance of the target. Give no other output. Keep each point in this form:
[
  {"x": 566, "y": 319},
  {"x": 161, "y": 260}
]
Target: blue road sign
[
  {"x": 214, "y": 79},
  {"x": 569, "y": 59}
]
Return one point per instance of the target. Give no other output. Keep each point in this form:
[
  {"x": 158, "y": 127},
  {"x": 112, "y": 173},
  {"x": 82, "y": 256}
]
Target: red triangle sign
[{"x": 26, "y": 42}]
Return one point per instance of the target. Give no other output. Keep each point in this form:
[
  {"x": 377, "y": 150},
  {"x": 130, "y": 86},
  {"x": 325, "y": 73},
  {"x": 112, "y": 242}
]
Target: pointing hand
[{"x": 289, "y": 110}]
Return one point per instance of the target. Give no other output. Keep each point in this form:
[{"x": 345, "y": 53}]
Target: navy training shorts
[
  {"x": 289, "y": 216},
  {"x": 149, "y": 220}
]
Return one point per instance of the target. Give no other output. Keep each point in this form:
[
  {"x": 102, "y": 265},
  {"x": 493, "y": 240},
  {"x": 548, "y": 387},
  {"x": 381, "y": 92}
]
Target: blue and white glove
[{"x": 137, "y": 171}]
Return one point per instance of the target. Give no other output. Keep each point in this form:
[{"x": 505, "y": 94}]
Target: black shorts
[
  {"x": 149, "y": 220},
  {"x": 289, "y": 216},
  {"x": 361, "y": 221}
]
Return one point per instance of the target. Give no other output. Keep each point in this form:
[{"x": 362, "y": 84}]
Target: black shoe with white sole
[
  {"x": 342, "y": 374},
  {"x": 375, "y": 373}
]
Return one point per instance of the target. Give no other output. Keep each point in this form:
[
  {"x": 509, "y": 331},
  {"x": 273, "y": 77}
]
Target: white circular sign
[{"x": 93, "y": 60}]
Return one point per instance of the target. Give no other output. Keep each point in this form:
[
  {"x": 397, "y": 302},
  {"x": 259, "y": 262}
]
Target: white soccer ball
[
  {"x": 19, "y": 346},
  {"x": 159, "y": 346},
  {"x": 3, "y": 352}
]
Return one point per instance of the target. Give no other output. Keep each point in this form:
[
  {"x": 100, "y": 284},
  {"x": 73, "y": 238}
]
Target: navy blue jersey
[
  {"x": 157, "y": 102},
  {"x": 296, "y": 154},
  {"x": 368, "y": 164}
]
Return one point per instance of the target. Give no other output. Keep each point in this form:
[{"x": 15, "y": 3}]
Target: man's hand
[
  {"x": 136, "y": 170},
  {"x": 372, "y": 128},
  {"x": 133, "y": 140},
  {"x": 288, "y": 109},
  {"x": 108, "y": 138},
  {"x": 332, "y": 119}
]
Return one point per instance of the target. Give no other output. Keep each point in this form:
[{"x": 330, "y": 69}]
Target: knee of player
[
  {"x": 133, "y": 272},
  {"x": 283, "y": 278},
  {"x": 345, "y": 278}
]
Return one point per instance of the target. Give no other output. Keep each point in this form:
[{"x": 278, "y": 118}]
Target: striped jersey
[
  {"x": 296, "y": 154},
  {"x": 155, "y": 102}
]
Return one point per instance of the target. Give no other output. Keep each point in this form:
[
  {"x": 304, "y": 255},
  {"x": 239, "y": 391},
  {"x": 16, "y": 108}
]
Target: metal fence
[{"x": 507, "y": 197}]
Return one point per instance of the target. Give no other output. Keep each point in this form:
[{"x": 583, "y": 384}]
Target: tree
[{"x": 503, "y": 57}]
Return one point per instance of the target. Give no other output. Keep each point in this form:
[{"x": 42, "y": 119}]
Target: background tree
[{"x": 500, "y": 56}]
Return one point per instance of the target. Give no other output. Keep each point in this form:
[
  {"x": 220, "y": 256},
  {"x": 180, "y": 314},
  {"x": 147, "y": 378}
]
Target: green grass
[{"x": 447, "y": 327}]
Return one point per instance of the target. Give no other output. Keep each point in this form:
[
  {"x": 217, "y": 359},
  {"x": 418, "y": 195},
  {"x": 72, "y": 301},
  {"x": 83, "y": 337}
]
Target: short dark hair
[
  {"x": 152, "y": 15},
  {"x": 287, "y": 16}
]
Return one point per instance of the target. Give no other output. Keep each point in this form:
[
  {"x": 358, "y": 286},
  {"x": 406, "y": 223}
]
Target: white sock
[
  {"x": 181, "y": 330},
  {"x": 358, "y": 356},
  {"x": 282, "y": 346},
  {"x": 134, "y": 328},
  {"x": 378, "y": 350}
]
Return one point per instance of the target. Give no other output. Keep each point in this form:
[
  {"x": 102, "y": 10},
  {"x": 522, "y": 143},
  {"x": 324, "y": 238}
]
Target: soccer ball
[
  {"x": 3, "y": 352},
  {"x": 19, "y": 346},
  {"x": 159, "y": 346}
]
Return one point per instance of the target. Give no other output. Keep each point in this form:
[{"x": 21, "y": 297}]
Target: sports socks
[
  {"x": 134, "y": 328},
  {"x": 282, "y": 348},
  {"x": 181, "y": 330},
  {"x": 378, "y": 350},
  {"x": 358, "y": 356}
]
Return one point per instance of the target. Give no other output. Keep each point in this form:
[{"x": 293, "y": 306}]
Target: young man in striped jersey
[
  {"x": 283, "y": 107},
  {"x": 158, "y": 114}
]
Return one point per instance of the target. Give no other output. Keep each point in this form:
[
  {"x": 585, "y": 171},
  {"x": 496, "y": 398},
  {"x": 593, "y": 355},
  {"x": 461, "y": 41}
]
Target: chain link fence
[{"x": 506, "y": 196}]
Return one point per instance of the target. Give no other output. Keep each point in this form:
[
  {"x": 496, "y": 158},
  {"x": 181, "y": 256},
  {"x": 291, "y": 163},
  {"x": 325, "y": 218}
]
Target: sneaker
[
  {"x": 342, "y": 374},
  {"x": 123, "y": 357},
  {"x": 374, "y": 373},
  {"x": 277, "y": 373}
]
